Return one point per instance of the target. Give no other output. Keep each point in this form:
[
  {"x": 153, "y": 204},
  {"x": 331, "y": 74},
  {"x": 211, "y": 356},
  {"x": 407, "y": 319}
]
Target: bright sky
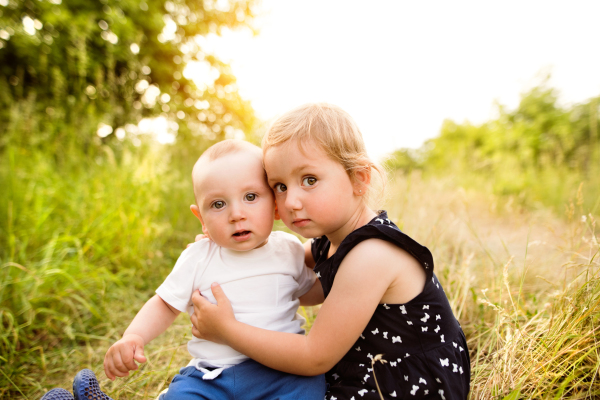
[{"x": 401, "y": 67}]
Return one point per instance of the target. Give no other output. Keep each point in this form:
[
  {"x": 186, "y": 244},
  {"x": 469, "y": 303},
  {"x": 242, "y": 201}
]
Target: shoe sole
[
  {"x": 86, "y": 387},
  {"x": 58, "y": 394}
]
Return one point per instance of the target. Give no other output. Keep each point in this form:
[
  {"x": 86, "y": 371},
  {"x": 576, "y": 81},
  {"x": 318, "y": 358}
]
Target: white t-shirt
[{"x": 263, "y": 286}]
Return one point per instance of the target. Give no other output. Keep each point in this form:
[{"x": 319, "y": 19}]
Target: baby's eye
[
  {"x": 309, "y": 181},
  {"x": 250, "y": 197},
  {"x": 218, "y": 204},
  {"x": 280, "y": 188}
]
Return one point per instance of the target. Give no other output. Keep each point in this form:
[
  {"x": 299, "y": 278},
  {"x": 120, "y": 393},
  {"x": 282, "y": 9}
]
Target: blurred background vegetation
[
  {"x": 99, "y": 128},
  {"x": 536, "y": 155}
]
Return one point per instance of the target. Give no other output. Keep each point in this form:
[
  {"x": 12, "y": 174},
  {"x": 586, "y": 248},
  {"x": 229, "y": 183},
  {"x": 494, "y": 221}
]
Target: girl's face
[{"x": 314, "y": 194}]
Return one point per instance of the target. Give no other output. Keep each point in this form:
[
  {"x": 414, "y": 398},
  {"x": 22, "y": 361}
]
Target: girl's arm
[
  {"x": 314, "y": 296},
  {"x": 308, "y": 257},
  {"x": 361, "y": 282},
  {"x": 153, "y": 319}
]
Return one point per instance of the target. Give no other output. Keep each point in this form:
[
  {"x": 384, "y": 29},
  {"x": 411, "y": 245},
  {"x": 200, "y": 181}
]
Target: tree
[{"x": 77, "y": 64}]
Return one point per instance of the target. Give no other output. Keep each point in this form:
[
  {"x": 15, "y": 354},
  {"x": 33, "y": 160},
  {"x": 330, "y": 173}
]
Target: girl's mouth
[{"x": 301, "y": 222}]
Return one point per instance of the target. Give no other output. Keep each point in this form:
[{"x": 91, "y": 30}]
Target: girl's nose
[{"x": 292, "y": 199}]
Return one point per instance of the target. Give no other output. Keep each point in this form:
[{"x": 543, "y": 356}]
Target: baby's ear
[
  {"x": 196, "y": 211},
  {"x": 276, "y": 211}
]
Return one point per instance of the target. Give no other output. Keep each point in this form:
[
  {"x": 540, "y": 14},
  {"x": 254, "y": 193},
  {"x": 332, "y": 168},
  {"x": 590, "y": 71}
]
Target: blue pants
[{"x": 246, "y": 381}]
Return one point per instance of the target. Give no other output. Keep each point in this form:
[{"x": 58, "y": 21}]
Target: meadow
[
  {"x": 87, "y": 240},
  {"x": 94, "y": 211}
]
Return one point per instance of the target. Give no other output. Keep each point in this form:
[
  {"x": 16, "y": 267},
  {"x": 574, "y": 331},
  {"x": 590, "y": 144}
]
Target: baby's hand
[
  {"x": 198, "y": 238},
  {"x": 119, "y": 359}
]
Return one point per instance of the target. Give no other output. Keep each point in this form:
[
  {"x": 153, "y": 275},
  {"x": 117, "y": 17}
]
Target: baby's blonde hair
[{"x": 334, "y": 131}]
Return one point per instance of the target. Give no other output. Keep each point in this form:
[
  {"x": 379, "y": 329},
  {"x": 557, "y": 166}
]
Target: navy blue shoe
[
  {"x": 86, "y": 387},
  {"x": 58, "y": 394}
]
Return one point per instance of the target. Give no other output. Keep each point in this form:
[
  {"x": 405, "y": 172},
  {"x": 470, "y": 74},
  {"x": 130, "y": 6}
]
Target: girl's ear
[
  {"x": 362, "y": 179},
  {"x": 196, "y": 211}
]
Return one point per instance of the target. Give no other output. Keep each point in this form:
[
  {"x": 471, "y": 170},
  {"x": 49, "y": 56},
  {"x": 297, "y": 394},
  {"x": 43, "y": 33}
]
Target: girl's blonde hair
[{"x": 334, "y": 131}]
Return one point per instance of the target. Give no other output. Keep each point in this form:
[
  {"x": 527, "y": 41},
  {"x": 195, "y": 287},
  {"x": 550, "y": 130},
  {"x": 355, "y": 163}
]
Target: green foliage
[
  {"x": 90, "y": 221},
  {"x": 538, "y": 153},
  {"x": 114, "y": 62},
  {"x": 404, "y": 160}
]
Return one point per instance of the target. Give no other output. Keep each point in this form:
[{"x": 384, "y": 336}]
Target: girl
[{"x": 385, "y": 323}]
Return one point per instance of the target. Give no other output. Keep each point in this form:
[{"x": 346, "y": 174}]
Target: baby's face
[{"x": 237, "y": 207}]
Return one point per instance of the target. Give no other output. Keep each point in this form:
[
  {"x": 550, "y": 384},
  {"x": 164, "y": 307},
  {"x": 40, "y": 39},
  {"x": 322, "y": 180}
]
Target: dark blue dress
[{"x": 422, "y": 342}]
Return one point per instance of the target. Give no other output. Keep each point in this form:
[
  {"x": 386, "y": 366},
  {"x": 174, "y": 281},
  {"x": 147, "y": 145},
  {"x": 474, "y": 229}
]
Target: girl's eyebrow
[{"x": 296, "y": 170}]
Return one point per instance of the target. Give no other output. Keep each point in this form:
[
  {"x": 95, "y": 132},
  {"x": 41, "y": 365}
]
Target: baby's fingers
[
  {"x": 127, "y": 359},
  {"x": 114, "y": 366},
  {"x": 138, "y": 355}
]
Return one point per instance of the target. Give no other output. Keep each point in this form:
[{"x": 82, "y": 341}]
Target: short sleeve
[
  {"x": 178, "y": 287},
  {"x": 306, "y": 280}
]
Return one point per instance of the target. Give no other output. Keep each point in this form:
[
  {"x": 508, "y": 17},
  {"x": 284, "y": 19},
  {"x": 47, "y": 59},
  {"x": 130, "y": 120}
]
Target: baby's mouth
[{"x": 241, "y": 233}]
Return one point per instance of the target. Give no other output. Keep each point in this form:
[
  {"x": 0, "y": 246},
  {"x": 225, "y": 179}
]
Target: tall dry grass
[{"x": 524, "y": 285}]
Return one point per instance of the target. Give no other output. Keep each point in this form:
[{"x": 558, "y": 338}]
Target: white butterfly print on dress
[
  {"x": 362, "y": 392},
  {"x": 375, "y": 332},
  {"x": 425, "y": 318},
  {"x": 445, "y": 362},
  {"x": 396, "y": 339},
  {"x": 414, "y": 389}
]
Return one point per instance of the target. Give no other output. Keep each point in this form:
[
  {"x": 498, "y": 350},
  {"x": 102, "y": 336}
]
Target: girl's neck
[{"x": 362, "y": 216}]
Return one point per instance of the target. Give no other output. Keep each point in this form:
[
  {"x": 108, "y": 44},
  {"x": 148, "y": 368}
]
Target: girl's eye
[
  {"x": 309, "y": 181},
  {"x": 280, "y": 188},
  {"x": 218, "y": 204},
  {"x": 250, "y": 197}
]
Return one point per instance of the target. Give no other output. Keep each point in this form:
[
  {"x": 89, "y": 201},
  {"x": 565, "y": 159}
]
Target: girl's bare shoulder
[{"x": 384, "y": 261}]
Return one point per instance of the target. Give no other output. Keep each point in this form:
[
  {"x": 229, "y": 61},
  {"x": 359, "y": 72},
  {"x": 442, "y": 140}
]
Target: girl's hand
[
  {"x": 198, "y": 238},
  {"x": 119, "y": 359},
  {"x": 212, "y": 321}
]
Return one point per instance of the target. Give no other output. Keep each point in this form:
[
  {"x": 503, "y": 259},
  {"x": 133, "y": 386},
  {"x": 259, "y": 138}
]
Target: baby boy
[{"x": 262, "y": 273}]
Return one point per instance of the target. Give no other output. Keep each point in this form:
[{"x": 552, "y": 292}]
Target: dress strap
[{"x": 382, "y": 228}]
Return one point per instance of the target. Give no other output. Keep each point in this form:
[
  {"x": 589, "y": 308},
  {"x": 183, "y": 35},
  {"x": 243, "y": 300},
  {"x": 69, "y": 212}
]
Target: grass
[
  {"x": 84, "y": 242},
  {"x": 524, "y": 284}
]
